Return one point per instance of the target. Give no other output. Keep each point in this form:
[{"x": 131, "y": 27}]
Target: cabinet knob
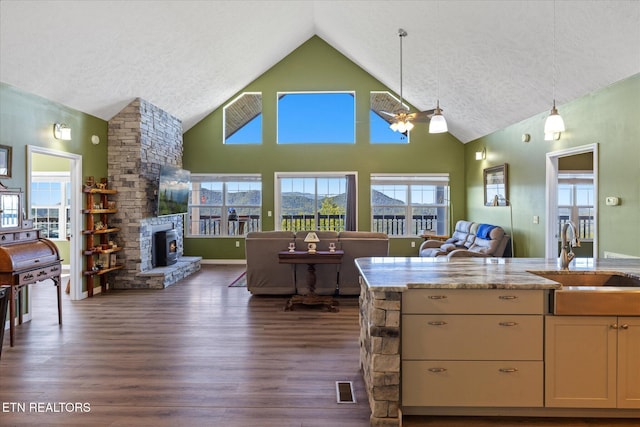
[
  {"x": 624, "y": 326},
  {"x": 437, "y": 297},
  {"x": 437, "y": 323},
  {"x": 437, "y": 369},
  {"x": 614, "y": 326}
]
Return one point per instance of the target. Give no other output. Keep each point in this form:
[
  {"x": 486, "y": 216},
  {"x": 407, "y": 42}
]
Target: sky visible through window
[{"x": 318, "y": 118}]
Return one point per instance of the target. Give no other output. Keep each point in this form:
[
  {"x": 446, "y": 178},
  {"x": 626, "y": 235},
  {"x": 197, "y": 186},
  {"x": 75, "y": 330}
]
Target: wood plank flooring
[{"x": 195, "y": 354}]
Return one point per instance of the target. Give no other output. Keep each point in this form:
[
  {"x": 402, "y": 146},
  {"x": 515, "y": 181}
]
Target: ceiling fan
[{"x": 401, "y": 119}]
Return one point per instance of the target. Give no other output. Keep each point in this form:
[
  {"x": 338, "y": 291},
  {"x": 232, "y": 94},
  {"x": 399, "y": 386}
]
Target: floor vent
[{"x": 344, "y": 392}]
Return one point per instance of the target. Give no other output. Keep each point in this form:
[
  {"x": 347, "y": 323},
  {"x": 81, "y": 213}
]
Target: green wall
[
  {"x": 26, "y": 119},
  {"x": 608, "y": 117},
  {"x": 317, "y": 66}
]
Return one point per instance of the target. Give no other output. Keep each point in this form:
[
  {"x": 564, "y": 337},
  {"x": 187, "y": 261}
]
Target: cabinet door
[
  {"x": 580, "y": 361},
  {"x": 628, "y": 362}
]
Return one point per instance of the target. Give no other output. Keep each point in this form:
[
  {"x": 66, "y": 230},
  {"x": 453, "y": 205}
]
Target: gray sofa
[
  {"x": 266, "y": 276},
  {"x": 470, "y": 239}
]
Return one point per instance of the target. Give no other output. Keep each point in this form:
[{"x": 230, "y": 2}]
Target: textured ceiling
[{"x": 493, "y": 66}]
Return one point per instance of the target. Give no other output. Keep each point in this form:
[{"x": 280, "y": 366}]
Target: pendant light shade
[
  {"x": 438, "y": 123},
  {"x": 554, "y": 122}
]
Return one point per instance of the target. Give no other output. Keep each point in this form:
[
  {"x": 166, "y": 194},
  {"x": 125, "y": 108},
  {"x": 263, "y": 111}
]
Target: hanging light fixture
[
  {"x": 438, "y": 123},
  {"x": 402, "y": 121},
  {"x": 554, "y": 123}
]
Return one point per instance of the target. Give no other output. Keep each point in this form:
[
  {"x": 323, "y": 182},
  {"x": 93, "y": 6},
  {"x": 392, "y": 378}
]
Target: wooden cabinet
[
  {"x": 474, "y": 348},
  {"x": 99, "y": 252},
  {"x": 592, "y": 362}
]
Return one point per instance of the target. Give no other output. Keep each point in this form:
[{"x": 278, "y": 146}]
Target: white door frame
[
  {"x": 75, "y": 243},
  {"x": 551, "y": 240}
]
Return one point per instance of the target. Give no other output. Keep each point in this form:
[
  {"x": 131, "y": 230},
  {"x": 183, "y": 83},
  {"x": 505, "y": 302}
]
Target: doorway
[
  {"x": 554, "y": 186},
  {"x": 61, "y": 225}
]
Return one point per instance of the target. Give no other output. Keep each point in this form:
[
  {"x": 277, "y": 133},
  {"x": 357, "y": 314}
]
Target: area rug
[{"x": 240, "y": 281}]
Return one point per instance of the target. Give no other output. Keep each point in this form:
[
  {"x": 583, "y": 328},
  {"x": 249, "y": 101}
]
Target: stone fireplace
[{"x": 141, "y": 138}]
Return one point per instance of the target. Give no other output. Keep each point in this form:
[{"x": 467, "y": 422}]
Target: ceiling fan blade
[
  {"x": 423, "y": 116},
  {"x": 386, "y": 113}
]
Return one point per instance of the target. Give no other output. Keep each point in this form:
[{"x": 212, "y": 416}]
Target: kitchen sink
[{"x": 594, "y": 293}]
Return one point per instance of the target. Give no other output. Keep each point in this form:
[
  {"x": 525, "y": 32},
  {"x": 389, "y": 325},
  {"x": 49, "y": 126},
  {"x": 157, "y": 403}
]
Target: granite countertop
[{"x": 397, "y": 274}]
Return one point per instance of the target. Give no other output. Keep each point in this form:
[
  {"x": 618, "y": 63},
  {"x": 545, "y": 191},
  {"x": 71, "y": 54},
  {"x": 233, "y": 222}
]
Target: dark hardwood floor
[{"x": 195, "y": 354}]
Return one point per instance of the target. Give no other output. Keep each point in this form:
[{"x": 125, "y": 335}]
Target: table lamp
[{"x": 311, "y": 239}]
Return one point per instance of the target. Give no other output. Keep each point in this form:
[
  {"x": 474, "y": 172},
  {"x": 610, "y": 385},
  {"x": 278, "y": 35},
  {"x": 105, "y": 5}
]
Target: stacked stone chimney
[{"x": 141, "y": 138}]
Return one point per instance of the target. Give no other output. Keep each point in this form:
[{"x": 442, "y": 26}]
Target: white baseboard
[
  {"x": 224, "y": 261},
  {"x": 617, "y": 255}
]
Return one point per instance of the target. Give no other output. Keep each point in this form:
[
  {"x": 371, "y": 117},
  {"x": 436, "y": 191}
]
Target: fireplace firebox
[{"x": 165, "y": 248}]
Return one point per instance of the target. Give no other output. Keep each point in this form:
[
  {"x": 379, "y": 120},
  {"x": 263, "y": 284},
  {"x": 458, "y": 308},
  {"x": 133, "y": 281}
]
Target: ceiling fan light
[
  {"x": 438, "y": 123},
  {"x": 408, "y": 126},
  {"x": 394, "y": 126},
  {"x": 402, "y": 127},
  {"x": 554, "y": 122}
]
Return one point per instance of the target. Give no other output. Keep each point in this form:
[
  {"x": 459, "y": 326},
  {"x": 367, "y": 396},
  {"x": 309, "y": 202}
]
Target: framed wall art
[
  {"x": 5, "y": 161},
  {"x": 496, "y": 189}
]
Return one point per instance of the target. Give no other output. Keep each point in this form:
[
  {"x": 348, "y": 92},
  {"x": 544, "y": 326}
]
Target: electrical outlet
[
  {"x": 237, "y": 243},
  {"x": 413, "y": 244},
  {"x": 536, "y": 219},
  {"x": 268, "y": 213}
]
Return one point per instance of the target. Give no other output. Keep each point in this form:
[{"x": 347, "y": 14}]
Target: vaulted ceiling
[{"x": 491, "y": 62}]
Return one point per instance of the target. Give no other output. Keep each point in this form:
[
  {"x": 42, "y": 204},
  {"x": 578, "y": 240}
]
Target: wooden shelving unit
[{"x": 97, "y": 250}]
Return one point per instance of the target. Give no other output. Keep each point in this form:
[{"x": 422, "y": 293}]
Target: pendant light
[
  {"x": 438, "y": 123},
  {"x": 554, "y": 123}
]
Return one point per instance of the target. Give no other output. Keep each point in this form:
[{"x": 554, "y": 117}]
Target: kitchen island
[{"x": 467, "y": 336}]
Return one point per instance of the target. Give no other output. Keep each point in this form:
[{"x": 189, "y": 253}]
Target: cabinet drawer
[
  {"x": 473, "y": 301},
  {"x": 472, "y": 337},
  {"x": 456, "y": 383},
  {"x": 38, "y": 275}
]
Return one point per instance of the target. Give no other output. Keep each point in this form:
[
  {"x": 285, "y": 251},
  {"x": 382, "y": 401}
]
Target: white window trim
[
  {"x": 436, "y": 179},
  {"x": 277, "y": 194},
  {"x": 283, "y": 93},
  {"x": 222, "y": 177}
]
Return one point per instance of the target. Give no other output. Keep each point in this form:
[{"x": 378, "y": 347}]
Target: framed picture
[
  {"x": 496, "y": 190},
  {"x": 5, "y": 161}
]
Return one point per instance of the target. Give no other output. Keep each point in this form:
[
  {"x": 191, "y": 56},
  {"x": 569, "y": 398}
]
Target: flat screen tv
[{"x": 173, "y": 191}]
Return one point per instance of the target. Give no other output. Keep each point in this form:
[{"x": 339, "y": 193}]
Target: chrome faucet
[{"x": 566, "y": 252}]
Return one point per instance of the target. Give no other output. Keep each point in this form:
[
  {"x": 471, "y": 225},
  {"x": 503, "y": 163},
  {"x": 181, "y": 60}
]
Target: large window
[
  {"x": 315, "y": 201},
  {"x": 409, "y": 205},
  {"x": 575, "y": 203},
  {"x": 316, "y": 117},
  {"x": 379, "y": 130},
  {"x": 50, "y": 204},
  {"x": 224, "y": 205},
  {"x": 243, "y": 119}
]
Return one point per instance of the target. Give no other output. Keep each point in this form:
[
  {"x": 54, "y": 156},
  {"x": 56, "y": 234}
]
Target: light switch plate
[{"x": 612, "y": 201}]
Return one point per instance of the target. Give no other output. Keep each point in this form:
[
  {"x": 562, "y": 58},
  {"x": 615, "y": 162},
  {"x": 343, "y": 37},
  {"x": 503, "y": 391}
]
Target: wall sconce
[
  {"x": 481, "y": 155},
  {"x": 62, "y": 132},
  {"x": 552, "y": 136}
]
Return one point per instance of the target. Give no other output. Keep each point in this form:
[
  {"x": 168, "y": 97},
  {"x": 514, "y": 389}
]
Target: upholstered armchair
[
  {"x": 490, "y": 241},
  {"x": 462, "y": 238}
]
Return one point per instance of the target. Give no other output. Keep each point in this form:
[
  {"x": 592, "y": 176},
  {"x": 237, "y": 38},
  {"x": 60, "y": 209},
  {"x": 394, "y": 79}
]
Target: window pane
[
  {"x": 405, "y": 205},
  {"x": 243, "y": 119},
  {"x": 565, "y": 194},
  {"x": 318, "y": 117},
  {"x": 224, "y": 205},
  {"x": 584, "y": 194},
  {"x": 312, "y": 203}
]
